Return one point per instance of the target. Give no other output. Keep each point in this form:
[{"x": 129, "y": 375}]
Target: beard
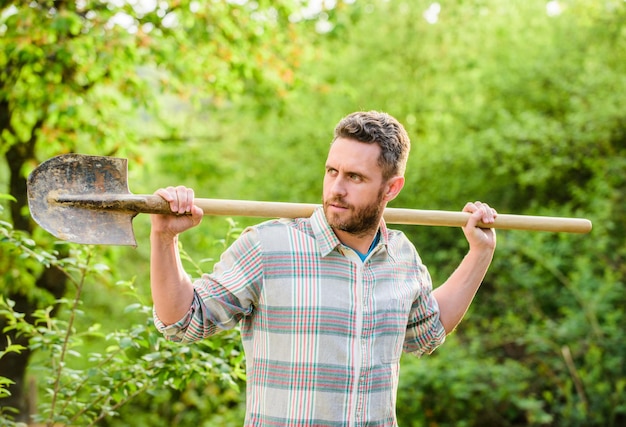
[{"x": 360, "y": 220}]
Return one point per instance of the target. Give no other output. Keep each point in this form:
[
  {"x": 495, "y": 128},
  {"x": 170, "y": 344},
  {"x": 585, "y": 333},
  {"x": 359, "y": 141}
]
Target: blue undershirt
[{"x": 372, "y": 246}]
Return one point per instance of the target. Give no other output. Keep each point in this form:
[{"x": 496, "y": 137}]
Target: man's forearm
[
  {"x": 172, "y": 290},
  {"x": 456, "y": 294}
]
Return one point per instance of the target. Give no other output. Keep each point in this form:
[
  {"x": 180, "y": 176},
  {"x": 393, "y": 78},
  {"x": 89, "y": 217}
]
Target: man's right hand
[{"x": 185, "y": 213}]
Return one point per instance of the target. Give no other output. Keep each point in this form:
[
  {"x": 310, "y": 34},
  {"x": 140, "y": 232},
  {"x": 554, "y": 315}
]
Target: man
[{"x": 328, "y": 303}]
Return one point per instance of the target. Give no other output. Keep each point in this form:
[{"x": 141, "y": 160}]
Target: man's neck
[{"x": 358, "y": 242}]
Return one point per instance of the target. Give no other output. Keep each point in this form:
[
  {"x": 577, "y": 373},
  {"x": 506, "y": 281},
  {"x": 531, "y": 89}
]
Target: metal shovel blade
[{"x": 78, "y": 174}]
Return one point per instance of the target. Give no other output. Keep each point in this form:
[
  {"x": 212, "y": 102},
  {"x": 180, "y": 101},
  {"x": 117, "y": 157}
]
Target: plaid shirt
[{"x": 322, "y": 330}]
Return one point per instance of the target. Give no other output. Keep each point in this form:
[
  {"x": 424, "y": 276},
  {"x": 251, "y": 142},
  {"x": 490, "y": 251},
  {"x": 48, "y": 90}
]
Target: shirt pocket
[{"x": 392, "y": 329}]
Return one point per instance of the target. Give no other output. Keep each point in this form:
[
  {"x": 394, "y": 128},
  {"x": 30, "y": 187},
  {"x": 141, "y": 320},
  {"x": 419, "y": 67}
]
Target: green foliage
[
  {"x": 459, "y": 386},
  {"x": 508, "y": 104},
  {"x": 542, "y": 345},
  {"x": 75, "y": 73},
  {"x": 21, "y": 261},
  {"x": 503, "y": 101},
  {"x": 10, "y": 348},
  {"x": 84, "y": 386},
  {"x": 108, "y": 78}
]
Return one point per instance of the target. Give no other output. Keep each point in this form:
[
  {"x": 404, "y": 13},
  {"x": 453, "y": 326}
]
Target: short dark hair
[{"x": 382, "y": 129}]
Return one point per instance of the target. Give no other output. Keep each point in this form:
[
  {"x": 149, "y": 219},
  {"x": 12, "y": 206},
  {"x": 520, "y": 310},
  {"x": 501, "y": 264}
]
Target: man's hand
[
  {"x": 187, "y": 215},
  {"x": 456, "y": 294},
  {"x": 480, "y": 238}
]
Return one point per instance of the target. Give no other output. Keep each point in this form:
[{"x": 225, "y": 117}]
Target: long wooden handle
[
  {"x": 395, "y": 216},
  {"x": 156, "y": 205}
]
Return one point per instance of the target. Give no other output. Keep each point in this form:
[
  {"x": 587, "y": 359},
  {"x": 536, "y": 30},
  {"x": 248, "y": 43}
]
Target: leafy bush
[
  {"x": 82, "y": 386},
  {"x": 460, "y": 387}
]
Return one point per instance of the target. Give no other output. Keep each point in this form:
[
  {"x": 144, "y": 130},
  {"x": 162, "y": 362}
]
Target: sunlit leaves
[{"x": 61, "y": 63}]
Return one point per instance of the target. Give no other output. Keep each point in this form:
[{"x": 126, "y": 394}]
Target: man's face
[{"x": 354, "y": 189}]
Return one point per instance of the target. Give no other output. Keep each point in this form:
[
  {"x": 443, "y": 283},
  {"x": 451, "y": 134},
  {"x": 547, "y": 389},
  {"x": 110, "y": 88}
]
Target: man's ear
[{"x": 393, "y": 187}]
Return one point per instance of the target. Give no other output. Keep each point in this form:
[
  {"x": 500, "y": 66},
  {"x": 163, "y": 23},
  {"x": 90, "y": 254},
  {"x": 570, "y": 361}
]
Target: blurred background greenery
[{"x": 520, "y": 104}]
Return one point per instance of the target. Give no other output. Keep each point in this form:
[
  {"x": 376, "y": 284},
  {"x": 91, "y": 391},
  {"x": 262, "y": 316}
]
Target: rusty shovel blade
[{"x": 75, "y": 175}]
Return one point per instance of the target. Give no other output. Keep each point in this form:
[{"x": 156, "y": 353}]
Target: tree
[{"x": 74, "y": 75}]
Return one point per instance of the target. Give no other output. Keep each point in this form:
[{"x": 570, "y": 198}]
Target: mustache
[{"x": 339, "y": 202}]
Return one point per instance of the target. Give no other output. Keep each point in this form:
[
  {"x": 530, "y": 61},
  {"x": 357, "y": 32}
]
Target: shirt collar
[{"x": 326, "y": 237}]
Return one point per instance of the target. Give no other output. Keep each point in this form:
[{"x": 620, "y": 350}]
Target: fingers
[
  {"x": 480, "y": 238},
  {"x": 180, "y": 198},
  {"x": 186, "y": 214},
  {"x": 481, "y": 212}
]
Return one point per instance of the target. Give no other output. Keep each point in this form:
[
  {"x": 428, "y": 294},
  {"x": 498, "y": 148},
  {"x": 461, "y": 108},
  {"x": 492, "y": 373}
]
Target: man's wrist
[{"x": 163, "y": 239}]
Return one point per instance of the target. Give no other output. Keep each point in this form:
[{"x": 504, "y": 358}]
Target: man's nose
[{"x": 339, "y": 188}]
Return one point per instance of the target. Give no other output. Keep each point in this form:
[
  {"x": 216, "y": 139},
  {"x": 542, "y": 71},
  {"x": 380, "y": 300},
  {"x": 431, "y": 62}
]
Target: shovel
[{"x": 85, "y": 199}]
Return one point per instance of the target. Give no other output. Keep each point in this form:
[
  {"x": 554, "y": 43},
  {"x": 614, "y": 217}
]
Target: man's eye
[{"x": 356, "y": 178}]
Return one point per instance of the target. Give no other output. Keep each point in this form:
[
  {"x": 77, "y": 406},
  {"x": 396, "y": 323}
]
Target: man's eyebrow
[{"x": 361, "y": 174}]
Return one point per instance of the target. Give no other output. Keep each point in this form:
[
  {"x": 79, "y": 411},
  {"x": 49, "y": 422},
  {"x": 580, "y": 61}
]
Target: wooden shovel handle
[
  {"x": 395, "y": 216},
  {"x": 156, "y": 205}
]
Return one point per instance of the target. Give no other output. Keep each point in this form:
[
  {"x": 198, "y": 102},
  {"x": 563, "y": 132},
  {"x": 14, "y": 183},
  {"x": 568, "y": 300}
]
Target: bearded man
[{"x": 326, "y": 304}]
